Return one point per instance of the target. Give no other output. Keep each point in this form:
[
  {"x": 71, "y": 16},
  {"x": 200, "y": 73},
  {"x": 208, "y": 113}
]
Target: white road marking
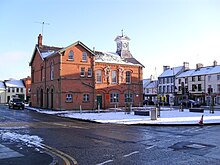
[
  {"x": 135, "y": 152},
  {"x": 108, "y": 161},
  {"x": 150, "y": 147}
]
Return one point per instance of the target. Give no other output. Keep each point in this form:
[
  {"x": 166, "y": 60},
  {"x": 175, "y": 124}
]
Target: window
[
  {"x": 69, "y": 98},
  {"x": 9, "y": 89},
  {"x": 86, "y": 97},
  {"x": 71, "y": 55},
  {"x": 194, "y": 87},
  {"x": 82, "y": 72},
  {"x": 179, "y": 88},
  {"x": 84, "y": 56},
  {"x": 13, "y": 90},
  {"x": 114, "y": 97},
  {"x": 17, "y": 90},
  {"x": 163, "y": 80},
  {"x": 89, "y": 72},
  {"x": 218, "y": 89},
  {"x": 193, "y": 78},
  {"x": 114, "y": 76},
  {"x": 41, "y": 74},
  {"x": 179, "y": 81},
  {"x": 168, "y": 80},
  {"x": 128, "y": 77},
  {"x": 186, "y": 80},
  {"x": 98, "y": 76},
  {"x": 21, "y": 90},
  {"x": 199, "y": 87},
  {"x": 199, "y": 78},
  {"x": 218, "y": 77},
  {"x": 164, "y": 89},
  {"x": 168, "y": 89},
  {"x": 209, "y": 78},
  {"x": 128, "y": 97},
  {"x": 51, "y": 71}
]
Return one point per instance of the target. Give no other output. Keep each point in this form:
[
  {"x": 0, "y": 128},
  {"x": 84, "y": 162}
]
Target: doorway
[{"x": 99, "y": 101}]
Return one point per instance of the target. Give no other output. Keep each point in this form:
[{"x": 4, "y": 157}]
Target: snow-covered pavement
[{"x": 167, "y": 117}]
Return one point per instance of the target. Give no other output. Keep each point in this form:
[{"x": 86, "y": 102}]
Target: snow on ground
[{"x": 167, "y": 116}]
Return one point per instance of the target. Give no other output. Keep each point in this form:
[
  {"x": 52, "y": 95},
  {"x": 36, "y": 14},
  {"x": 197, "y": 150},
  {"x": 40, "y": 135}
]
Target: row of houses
[
  {"x": 73, "y": 77},
  {"x": 178, "y": 83},
  {"x": 15, "y": 88}
]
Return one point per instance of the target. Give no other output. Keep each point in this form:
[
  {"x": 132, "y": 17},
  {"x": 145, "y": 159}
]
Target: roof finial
[{"x": 122, "y": 32}]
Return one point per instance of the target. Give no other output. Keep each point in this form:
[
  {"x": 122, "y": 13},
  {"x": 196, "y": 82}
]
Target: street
[{"x": 66, "y": 140}]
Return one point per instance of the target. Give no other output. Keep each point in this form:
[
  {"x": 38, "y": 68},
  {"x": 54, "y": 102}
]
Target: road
[{"x": 78, "y": 142}]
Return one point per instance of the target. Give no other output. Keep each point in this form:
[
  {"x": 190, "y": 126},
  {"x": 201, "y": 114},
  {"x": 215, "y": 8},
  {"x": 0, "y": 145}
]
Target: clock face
[{"x": 125, "y": 45}]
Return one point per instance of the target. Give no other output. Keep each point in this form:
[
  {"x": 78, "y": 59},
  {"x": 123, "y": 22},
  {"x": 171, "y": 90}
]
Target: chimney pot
[{"x": 40, "y": 37}]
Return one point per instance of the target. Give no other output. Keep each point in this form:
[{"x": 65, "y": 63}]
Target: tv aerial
[{"x": 43, "y": 23}]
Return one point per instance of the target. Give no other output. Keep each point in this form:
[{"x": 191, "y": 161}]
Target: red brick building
[{"x": 75, "y": 76}]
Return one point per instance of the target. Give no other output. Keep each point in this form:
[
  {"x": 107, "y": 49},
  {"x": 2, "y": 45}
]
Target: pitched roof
[
  {"x": 2, "y": 85},
  {"x": 114, "y": 58},
  {"x": 186, "y": 73},
  {"x": 14, "y": 83},
  {"x": 171, "y": 71},
  {"x": 152, "y": 84}
]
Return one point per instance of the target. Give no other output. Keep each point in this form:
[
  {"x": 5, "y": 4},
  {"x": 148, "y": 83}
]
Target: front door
[{"x": 99, "y": 101}]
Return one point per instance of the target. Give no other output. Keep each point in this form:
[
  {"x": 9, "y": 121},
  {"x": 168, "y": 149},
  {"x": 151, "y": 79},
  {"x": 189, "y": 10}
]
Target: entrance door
[{"x": 99, "y": 101}]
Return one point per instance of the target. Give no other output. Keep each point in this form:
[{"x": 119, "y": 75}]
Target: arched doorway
[
  {"x": 51, "y": 99},
  {"x": 47, "y": 105},
  {"x": 41, "y": 98}
]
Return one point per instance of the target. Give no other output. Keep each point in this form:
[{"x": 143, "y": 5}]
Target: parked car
[
  {"x": 148, "y": 102},
  {"x": 189, "y": 103},
  {"x": 16, "y": 103}
]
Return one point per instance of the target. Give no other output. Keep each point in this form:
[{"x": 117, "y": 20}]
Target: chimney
[
  {"x": 199, "y": 65},
  {"x": 214, "y": 63},
  {"x": 186, "y": 66},
  {"x": 166, "y": 68},
  {"x": 40, "y": 37}
]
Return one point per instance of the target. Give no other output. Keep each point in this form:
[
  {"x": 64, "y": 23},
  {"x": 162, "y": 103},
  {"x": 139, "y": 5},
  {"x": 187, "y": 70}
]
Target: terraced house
[{"x": 77, "y": 77}]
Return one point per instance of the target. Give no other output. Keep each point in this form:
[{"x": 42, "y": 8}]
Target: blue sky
[{"x": 162, "y": 32}]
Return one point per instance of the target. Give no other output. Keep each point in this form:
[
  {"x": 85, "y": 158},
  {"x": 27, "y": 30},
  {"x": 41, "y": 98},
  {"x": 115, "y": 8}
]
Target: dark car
[
  {"x": 148, "y": 102},
  {"x": 189, "y": 103},
  {"x": 16, "y": 103}
]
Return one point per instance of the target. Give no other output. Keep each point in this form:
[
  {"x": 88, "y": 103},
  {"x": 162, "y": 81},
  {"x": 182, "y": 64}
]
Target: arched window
[
  {"x": 51, "y": 71},
  {"x": 71, "y": 55},
  {"x": 84, "y": 56}
]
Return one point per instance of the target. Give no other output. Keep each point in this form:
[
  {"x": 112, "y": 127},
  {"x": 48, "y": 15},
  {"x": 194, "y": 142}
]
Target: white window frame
[
  {"x": 82, "y": 72},
  {"x": 114, "y": 76},
  {"x": 86, "y": 98},
  {"x": 69, "y": 98},
  {"x": 71, "y": 55},
  {"x": 89, "y": 72},
  {"x": 84, "y": 56},
  {"x": 99, "y": 76}
]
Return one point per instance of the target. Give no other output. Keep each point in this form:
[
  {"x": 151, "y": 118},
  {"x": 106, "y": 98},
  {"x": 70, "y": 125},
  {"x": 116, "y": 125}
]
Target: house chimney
[
  {"x": 214, "y": 63},
  {"x": 165, "y": 68},
  {"x": 186, "y": 66},
  {"x": 199, "y": 65},
  {"x": 40, "y": 37}
]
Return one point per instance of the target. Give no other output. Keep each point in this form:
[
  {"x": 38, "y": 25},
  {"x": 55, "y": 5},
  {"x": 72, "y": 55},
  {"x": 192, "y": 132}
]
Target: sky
[{"x": 162, "y": 32}]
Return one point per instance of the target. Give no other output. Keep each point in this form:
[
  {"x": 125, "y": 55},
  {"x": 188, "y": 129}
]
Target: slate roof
[
  {"x": 114, "y": 58},
  {"x": 152, "y": 84},
  {"x": 171, "y": 71},
  {"x": 186, "y": 73},
  {"x": 2, "y": 85},
  {"x": 14, "y": 83}
]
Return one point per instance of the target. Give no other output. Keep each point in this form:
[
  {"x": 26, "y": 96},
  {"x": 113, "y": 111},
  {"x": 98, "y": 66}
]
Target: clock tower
[{"x": 123, "y": 46}]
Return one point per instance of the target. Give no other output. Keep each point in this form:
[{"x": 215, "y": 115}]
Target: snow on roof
[
  {"x": 186, "y": 73},
  {"x": 215, "y": 69},
  {"x": 2, "y": 86},
  {"x": 152, "y": 84},
  {"x": 46, "y": 54},
  {"x": 171, "y": 71},
  {"x": 146, "y": 82},
  {"x": 110, "y": 57},
  {"x": 14, "y": 83},
  {"x": 202, "y": 71}
]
